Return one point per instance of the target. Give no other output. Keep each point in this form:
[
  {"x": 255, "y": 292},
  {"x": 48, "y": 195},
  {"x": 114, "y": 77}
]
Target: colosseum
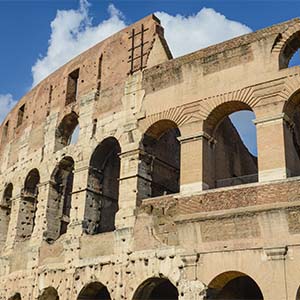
[{"x": 122, "y": 176}]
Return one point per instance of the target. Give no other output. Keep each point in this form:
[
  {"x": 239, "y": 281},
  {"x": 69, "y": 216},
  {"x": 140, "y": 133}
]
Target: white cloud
[
  {"x": 186, "y": 34},
  {"x": 72, "y": 32},
  {"x": 7, "y": 103}
]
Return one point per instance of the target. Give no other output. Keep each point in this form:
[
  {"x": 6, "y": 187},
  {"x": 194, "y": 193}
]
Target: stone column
[
  {"x": 79, "y": 197},
  {"x": 13, "y": 222},
  {"x": 196, "y": 161},
  {"x": 135, "y": 184},
  {"x": 190, "y": 287},
  {"x": 271, "y": 135},
  {"x": 41, "y": 215}
]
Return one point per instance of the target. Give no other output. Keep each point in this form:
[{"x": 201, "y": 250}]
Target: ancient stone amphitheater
[{"x": 122, "y": 176}]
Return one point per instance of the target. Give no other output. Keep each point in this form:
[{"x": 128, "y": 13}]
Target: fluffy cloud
[
  {"x": 72, "y": 32},
  {"x": 7, "y": 103},
  {"x": 189, "y": 33}
]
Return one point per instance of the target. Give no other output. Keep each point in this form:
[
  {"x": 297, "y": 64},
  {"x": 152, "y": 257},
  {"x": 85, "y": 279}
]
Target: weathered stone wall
[{"x": 82, "y": 215}]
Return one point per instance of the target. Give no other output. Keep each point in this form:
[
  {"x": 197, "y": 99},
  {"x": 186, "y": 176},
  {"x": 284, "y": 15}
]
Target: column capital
[
  {"x": 274, "y": 118},
  {"x": 197, "y": 136}
]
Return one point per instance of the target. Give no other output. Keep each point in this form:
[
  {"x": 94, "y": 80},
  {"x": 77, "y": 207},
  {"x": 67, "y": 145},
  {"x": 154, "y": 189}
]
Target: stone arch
[
  {"x": 156, "y": 288},
  {"x": 5, "y": 211},
  {"x": 220, "y": 112},
  {"x": 16, "y": 296},
  {"x": 65, "y": 130},
  {"x": 162, "y": 170},
  {"x": 59, "y": 200},
  {"x": 29, "y": 201},
  {"x": 103, "y": 187},
  {"x": 94, "y": 291},
  {"x": 286, "y": 44},
  {"x": 228, "y": 160},
  {"x": 49, "y": 293},
  {"x": 233, "y": 285}
]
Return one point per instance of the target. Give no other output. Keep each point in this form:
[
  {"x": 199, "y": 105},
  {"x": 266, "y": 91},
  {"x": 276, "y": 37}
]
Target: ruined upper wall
[{"x": 102, "y": 71}]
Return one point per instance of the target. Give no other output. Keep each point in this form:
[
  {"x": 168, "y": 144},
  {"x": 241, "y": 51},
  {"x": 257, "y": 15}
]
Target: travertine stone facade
[{"x": 122, "y": 176}]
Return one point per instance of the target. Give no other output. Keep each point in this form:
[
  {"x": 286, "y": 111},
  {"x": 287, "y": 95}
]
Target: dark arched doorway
[
  {"x": 103, "y": 188},
  {"x": 156, "y": 289},
  {"x": 49, "y": 293},
  {"x": 60, "y": 195},
  {"x": 94, "y": 291},
  {"x": 29, "y": 195},
  {"x": 234, "y": 286},
  {"x": 162, "y": 158},
  {"x": 5, "y": 212}
]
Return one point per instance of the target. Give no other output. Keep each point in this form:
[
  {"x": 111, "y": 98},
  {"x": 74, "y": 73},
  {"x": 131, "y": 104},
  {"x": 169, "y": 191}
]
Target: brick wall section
[{"x": 227, "y": 198}]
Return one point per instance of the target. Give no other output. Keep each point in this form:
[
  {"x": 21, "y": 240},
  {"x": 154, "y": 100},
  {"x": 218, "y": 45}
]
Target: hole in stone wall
[
  {"x": 72, "y": 87},
  {"x": 20, "y": 118},
  {"x": 67, "y": 131}
]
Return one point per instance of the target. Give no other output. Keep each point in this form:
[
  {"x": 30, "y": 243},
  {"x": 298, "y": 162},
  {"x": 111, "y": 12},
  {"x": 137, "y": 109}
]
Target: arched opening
[
  {"x": 94, "y": 291},
  {"x": 162, "y": 159},
  {"x": 60, "y": 195},
  {"x": 234, "y": 286},
  {"x": 103, "y": 188},
  {"x": 231, "y": 157},
  {"x": 49, "y": 293},
  {"x": 290, "y": 55},
  {"x": 29, "y": 195},
  {"x": 291, "y": 129},
  {"x": 5, "y": 212},
  {"x": 156, "y": 289},
  {"x": 16, "y": 296},
  {"x": 67, "y": 132}
]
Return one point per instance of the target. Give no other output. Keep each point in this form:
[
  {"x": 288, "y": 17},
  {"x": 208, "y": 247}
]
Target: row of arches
[
  {"x": 228, "y": 159},
  {"x": 229, "y": 285}
]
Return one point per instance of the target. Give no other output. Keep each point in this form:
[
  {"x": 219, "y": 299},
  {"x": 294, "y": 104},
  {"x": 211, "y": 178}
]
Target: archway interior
[
  {"x": 94, "y": 291},
  {"x": 161, "y": 159},
  {"x": 67, "y": 131},
  {"x": 60, "y": 196},
  {"x": 234, "y": 286},
  {"x": 234, "y": 138},
  {"x": 103, "y": 188},
  {"x": 156, "y": 289},
  {"x": 292, "y": 135},
  {"x": 49, "y": 293},
  {"x": 28, "y": 204},
  {"x": 5, "y": 212}
]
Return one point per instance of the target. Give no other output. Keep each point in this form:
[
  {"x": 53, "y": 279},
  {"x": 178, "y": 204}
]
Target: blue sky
[{"x": 25, "y": 30}]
